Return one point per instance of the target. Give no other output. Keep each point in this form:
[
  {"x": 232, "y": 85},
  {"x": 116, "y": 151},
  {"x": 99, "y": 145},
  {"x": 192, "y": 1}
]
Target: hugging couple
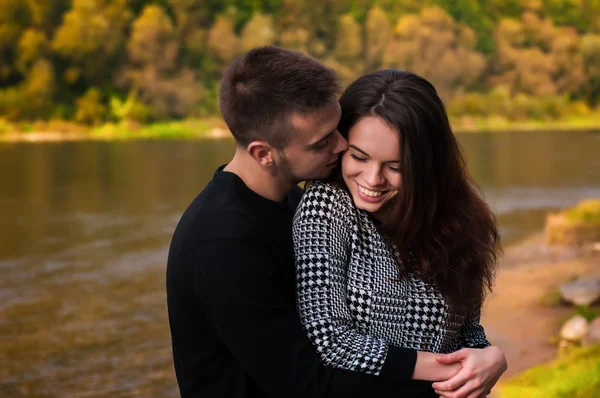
[{"x": 368, "y": 283}]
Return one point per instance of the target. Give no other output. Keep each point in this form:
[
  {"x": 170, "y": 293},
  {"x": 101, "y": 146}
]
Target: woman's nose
[{"x": 374, "y": 176}]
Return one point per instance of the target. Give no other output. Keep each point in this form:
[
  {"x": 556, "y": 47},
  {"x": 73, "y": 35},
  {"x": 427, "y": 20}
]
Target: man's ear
[{"x": 262, "y": 152}]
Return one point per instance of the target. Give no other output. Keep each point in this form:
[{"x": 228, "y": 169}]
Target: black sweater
[{"x": 231, "y": 300}]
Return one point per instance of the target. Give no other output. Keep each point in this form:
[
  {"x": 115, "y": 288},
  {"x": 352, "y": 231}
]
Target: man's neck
[{"x": 257, "y": 178}]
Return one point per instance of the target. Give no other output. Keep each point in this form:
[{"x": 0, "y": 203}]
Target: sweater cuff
[{"x": 399, "y": 364}]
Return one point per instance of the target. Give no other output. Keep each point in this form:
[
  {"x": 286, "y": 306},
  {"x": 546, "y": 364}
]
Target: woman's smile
[{"x": 370, "y": 195}]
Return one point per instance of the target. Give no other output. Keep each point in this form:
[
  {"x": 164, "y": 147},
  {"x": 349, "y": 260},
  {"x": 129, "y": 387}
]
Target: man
[{"x": 230, "y": 272}]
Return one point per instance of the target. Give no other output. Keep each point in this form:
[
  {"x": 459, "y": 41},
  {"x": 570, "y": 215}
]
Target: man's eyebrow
[{"x": 322, "y": 139}]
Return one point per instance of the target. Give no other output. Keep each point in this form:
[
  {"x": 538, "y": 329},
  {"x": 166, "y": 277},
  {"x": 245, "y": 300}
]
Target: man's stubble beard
[
  {"x": 286, "y": 172},
  {"x": 288, "y": 175}
]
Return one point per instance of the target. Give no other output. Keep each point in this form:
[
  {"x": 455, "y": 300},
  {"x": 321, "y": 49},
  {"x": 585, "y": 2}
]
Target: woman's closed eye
[
  {"x": 357, "y": 158},
  {"x": 393, "y": 167}
]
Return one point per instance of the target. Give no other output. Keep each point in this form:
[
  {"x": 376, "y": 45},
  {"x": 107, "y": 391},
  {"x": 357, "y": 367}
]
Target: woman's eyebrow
[{"x": 359, "y": 150}]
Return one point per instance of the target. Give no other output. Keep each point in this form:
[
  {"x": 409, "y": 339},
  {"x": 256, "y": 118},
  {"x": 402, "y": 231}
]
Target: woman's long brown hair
[{"x": 439, "y": 215}]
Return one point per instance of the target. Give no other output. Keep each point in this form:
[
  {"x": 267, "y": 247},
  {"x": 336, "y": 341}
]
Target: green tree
[
  {"x": 398, "y": 8},
  {"x": 90, "y": 107},
  {"x": 321, "y": 19},
  {"x": 537, "y": 58},
  {"x": 567, "y": 12},
  {"x": 188, "y": 15},
  {"x": 506, "y": 8},
  {"x": 538, "y": 31},
  {"x": 518, "y": 66},
  {"x": 191, "y": 19},
  {"x": 592, "y": 11},
  {"x": 91, "y": 34},
  {"x": 46, "y": 15},
  {"x": 31, "y": 47},
  {"x": 349, "y": 43},
  {"x": 15, "y": 17},
  {"x": 378, "y": 36},
  {"x": 347, "y": 57},
  {"x": 292, "y": 26},
  {"x": 569, "y": 74},
  {"x": 222, "y": 40},
  {"x": 590, "y": 50},
  {"x": 470, "y": 12},
  {"x": 176, "y": 50},
  {"x": 38, "y": 89},
  {"x": 435, "y": 46},
  {"x": 152, "y": 40},
  {"x": 153, "y": 72},
  {"x": 259, "y": 31},
  {"x": 12, "y": 102}
]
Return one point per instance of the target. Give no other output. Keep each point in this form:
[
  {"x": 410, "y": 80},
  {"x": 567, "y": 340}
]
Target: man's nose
[{"x": 341, "y": 143}]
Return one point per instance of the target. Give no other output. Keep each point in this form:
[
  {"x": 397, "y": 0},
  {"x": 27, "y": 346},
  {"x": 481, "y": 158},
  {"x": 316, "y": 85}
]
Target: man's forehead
[{"x": 318, "y": 122}]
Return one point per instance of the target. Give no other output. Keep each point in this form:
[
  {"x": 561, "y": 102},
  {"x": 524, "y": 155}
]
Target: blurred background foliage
[{"x": 95, "y": 61}]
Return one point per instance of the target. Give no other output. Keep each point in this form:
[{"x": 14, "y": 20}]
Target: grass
[
  {"x": 575, "y": 226},
  {"x": 53, "y": 130},
  {"x": 575, "y": 374},
  {"x": 587, "y": 211},
  {"x": 214, "y": 127},
  {"x": 189, "y": 128},
  {"x": 589, "y": 313},
  {"x": 502, "y": 124},
  {"x": 552, "y": 299}
]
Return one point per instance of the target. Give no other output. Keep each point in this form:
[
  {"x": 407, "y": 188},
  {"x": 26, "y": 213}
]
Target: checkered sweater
[{"x": 349, "y": 299}]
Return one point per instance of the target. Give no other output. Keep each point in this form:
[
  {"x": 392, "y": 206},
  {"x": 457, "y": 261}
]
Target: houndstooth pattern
[{"x": 349, "y": 298}]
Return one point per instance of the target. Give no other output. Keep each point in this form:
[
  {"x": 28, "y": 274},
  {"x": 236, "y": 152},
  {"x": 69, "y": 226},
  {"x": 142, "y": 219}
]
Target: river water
[{"x": 85, "y": 229}]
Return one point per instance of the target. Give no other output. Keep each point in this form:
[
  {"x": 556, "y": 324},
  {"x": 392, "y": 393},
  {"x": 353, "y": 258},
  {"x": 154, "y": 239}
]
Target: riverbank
[
  {"x": 211, "y": 128},
  {"x": 575, "y": 374},
  {"x": 526, "y": 313},
  {"x": 517, "y": 316},
  {"x": 523, "y": 317},
  {"x": 215, "y": 128}
]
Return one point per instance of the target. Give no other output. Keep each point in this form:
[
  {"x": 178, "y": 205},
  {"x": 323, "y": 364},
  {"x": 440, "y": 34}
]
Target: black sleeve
[
  {"x": 259, "y": 325},
  {"x": 293, "y": 198},
  {"x": 473, "y": 334}
]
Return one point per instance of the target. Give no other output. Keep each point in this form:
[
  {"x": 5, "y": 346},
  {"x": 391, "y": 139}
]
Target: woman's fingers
[
  {"x": 453, "y": 357},
  {"x": 471, "y": 389},
  {"x": 454, "y": 383}
]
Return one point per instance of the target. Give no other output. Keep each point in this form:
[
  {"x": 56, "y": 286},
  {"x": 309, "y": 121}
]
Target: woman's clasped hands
[{"x": 481, "y": 369}]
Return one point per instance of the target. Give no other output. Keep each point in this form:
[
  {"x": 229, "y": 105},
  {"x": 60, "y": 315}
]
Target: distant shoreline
[{"x": 215, "y": 129}]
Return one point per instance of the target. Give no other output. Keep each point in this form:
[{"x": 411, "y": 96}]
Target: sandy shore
[
  {"x": 515, "y": 315},
  {"x": 43, "y": 137}
]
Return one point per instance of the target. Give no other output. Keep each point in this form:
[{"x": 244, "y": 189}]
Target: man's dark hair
[{"x": 261, "y": 89}]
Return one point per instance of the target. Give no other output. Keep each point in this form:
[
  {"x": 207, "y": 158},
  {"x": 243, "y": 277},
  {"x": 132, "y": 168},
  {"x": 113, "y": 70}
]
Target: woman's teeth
[{"x": 367, "y": 192}]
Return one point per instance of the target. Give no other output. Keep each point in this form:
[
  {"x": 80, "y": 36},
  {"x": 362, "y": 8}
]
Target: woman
[{"x": 396, "y": 251}]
